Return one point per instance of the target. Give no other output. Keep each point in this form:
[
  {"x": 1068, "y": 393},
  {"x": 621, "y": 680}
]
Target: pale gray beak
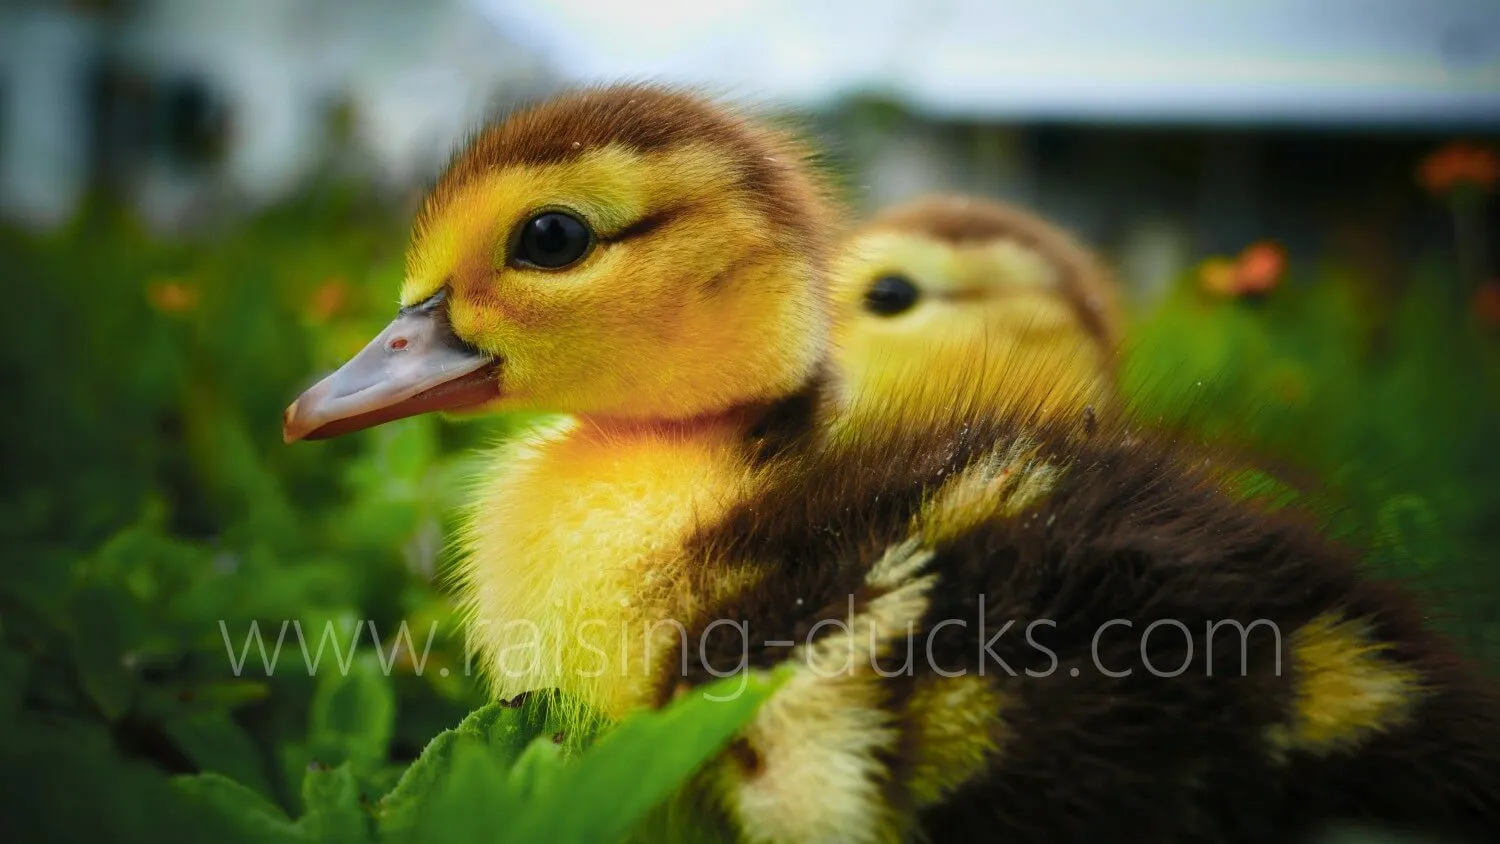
[{"x": 416, "y": 365}]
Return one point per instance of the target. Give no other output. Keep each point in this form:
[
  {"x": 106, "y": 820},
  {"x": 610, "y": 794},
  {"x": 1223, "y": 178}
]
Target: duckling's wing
[{"x": 1065, "y": 640}]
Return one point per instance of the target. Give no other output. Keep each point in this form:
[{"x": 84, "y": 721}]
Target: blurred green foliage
[
  {"x": 172, "y": 572},
  {"x": 1387, "y": 408}
]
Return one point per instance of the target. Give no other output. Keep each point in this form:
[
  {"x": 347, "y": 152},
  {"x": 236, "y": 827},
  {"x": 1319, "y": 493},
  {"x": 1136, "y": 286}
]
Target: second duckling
[{"x": 951, "y": 286}]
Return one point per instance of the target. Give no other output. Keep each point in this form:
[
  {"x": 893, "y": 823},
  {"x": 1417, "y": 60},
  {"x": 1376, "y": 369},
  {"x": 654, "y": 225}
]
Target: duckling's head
[
  {"x": 952, "y": 296},
  {"x": 624, "y": 252}
]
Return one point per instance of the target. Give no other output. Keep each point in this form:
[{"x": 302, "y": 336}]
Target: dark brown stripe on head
[
  {"x": 641, "y": 118},
  {"x": 648, "y": 224}
]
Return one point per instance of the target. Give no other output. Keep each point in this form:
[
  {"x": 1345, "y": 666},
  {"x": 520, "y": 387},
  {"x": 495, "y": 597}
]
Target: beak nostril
[{"x": 398, "y": 343}]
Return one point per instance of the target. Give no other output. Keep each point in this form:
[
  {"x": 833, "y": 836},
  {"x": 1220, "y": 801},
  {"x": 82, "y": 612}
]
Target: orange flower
[
  {"x": 1487, "y": 303},
  {"x": 1459, "y": 164},
  {"x": 1256, "y": 271},
  {"x": 1260, "y": 268},
  {"x": 172, "y": 297},
  {"x": 328, "y": 299}
]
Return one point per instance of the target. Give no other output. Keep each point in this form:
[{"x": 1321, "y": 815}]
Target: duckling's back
[{"x": 1055, "y": 632}]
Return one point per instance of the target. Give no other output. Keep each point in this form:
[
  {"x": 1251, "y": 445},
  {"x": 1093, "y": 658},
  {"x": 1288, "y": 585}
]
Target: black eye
[
  {"x": 890, "y": 295},
  {"x": 552, "y": 240}
]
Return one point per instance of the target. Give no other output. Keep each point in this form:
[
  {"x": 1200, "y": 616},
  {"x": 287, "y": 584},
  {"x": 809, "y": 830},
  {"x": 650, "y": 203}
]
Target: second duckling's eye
[
  {"x": 890, "y": 295},
  {"x": 551, "y": 240}
]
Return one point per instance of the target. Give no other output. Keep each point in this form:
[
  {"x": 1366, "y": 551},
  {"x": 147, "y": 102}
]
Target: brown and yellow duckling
[
  {"x": 959, "y": 284},
  {"x": 1020, "y": 632}
]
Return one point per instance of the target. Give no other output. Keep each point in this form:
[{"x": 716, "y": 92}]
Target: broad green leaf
[
  {"x": 501, "y": 730},
  {"x": 353, "y": 714},
  {"x": 216, "y": 743},
  {"x": 333, "y": 810},
  {"x": 507, "y": 729},
  {"x": 398, "y": 812},
  {"x": 641, "y": 763},
  {"x": 246, "y": 810},
  {"x": 536, "y": 769},
  {"x": 472, "y": 803},
  {"x": 382, "y": 780}
]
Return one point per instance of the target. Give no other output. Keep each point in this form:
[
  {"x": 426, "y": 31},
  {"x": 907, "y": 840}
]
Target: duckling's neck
[
  {"x": 574, "y": 571},
  {"x": 615, "y": 428},
  {"x": 782, "y": 418}
]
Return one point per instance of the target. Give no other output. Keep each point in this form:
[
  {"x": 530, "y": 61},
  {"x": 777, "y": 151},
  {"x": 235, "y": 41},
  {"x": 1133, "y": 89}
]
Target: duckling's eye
[
  {"x": 551, "y": 240},
  {"x": 890, "y": 295}
]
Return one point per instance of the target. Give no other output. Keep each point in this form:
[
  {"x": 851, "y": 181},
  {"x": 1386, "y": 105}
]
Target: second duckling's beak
[{"x": 416, "y": 365}]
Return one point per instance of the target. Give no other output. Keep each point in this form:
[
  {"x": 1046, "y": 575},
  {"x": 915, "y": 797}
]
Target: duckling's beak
[{"x": 416, "y": 365}]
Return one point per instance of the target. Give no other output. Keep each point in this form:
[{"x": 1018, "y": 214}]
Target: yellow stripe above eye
[
  {"x": 610, "y": 188},
  {"x": 944, "y": 268}
]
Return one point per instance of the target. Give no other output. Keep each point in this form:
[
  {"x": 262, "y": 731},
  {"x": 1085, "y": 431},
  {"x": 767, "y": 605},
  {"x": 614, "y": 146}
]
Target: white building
[{"x": 257, "y": 80}]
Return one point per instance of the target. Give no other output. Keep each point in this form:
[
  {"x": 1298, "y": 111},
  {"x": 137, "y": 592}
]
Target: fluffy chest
[{"x": 574, "y": 568}]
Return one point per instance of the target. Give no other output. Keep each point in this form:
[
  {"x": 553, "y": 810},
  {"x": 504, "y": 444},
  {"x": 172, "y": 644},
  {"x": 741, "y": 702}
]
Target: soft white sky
[
  {"x": 420, "y": 75},
  {"x": 1231, "y": 59}
]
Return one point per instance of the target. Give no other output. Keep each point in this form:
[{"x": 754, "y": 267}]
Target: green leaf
[
  {"x": 334, "y": 811},
  {"x": 536, "y": 769},
  {"x": 472, "y": 802},
  {"x": 353, "y": 714},
  {"x": 640, "y": 763},
  {"x": 501, "y": 775},
  {"x": 398, "y": 812},
  {"x": 216, "y": 743},
  {"x": 247, "y": 811},
  {"x": 482, "y": 720},
  {"x": 507, "y": 730},
  {"x": 500, "y": 730}
]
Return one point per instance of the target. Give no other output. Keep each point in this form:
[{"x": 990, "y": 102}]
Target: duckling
[
  {"x": 940, "y": 282},
  {"x": 993, "y": 625}
]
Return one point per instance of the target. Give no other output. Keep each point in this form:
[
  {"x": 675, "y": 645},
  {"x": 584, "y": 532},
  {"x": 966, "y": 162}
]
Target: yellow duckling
[
  {"x": 948, "y": 284},
  {"x": 996, "y": 628}
]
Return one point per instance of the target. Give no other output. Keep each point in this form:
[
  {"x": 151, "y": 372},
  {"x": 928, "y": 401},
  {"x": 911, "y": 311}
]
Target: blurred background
[
  {"x": 1157, "y": 131},
  {"x": 203, "y": 203}
]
